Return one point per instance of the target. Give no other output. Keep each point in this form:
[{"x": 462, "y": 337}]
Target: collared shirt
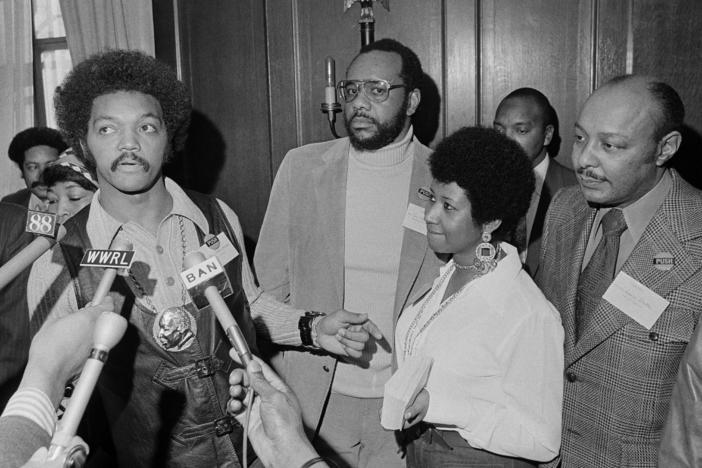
[
  {"x": 157, "y": 264},
  {"x": 637, "y": 216},
  {"x": 497, "y": 349},
  {"x": 36, "y": 203},
  {"x": 539, "y": 177}
]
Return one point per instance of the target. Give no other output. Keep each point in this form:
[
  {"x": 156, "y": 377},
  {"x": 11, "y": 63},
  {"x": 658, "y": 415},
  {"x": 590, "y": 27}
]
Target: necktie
[{"x": 599, "y": 272}]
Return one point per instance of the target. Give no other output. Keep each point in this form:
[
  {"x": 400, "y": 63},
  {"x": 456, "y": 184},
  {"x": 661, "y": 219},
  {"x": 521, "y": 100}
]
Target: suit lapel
[
  {"x": 658, "y": 237},
  {"x": 415, "y": 250},
  {"x": 330, "y": 196}
]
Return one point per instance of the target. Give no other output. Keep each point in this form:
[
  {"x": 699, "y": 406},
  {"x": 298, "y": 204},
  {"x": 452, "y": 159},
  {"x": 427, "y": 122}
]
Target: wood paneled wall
[{"x": 256, "y": 68}]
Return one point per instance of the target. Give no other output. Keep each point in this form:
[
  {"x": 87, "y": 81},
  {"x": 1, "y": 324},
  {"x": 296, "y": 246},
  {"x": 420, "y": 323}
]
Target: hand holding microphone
[
  {"x": 57, "y": 353},
  {"x": 109, "y": 329}
]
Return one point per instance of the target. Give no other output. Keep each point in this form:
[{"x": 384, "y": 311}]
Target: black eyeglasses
[{"x": 375, "y": 90}]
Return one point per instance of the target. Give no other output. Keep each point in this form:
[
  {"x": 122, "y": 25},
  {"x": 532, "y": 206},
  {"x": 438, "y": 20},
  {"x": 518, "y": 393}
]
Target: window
[{"x": 52, "y": 61}]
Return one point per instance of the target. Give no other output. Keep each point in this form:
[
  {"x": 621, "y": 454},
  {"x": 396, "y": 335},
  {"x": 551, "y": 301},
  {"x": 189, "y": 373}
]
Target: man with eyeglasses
[{"x": 344, "y": 229}]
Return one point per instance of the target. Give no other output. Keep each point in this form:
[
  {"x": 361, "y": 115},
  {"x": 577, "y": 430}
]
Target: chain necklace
[
  {"x": 174, "y": 328},
  {"x": 411, "y": 337},
  {"x": 138, "y": 286}
]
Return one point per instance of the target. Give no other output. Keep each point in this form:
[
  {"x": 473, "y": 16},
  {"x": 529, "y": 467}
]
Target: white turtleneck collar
[{"x": 390, "y": 155}]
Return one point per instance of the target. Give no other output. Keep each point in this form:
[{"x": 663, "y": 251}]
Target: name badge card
[
  {"x": 635, "y": 300},
  {"x": 414, "y": 219},
  {"x": 219, "y": 246}
]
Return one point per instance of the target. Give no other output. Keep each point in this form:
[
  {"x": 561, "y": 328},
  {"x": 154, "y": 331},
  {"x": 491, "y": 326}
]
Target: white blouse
[{"x": 497, "y": 345}]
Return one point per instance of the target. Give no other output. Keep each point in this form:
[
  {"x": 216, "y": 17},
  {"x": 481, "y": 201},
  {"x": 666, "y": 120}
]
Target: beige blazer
[{"x": 300, "y": 255}]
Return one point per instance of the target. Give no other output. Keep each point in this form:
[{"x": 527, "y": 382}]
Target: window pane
[
  {"x": 48, "y": 21},
  {"x": 55, "y": 65}
]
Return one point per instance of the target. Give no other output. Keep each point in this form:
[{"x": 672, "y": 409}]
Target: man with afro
[
  {"x": 125, "y": 114},
  {"x": 32, "y": 149}
]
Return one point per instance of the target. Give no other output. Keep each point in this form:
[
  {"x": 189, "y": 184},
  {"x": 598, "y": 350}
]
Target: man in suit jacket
[
  {"x": 32, "y": 149},
  {"x": 526, "y": 116},
  {"x": 335, "y": 235},
  {"x": 622, "y": 350}
]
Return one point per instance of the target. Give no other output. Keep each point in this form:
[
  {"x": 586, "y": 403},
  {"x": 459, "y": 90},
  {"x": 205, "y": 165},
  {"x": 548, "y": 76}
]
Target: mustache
[
  {"x": 363, "y": 115},
  {"x": 590, "y": 173},
  {"x": 37, "y": 183},
  {"x": 131, "y": 157}
]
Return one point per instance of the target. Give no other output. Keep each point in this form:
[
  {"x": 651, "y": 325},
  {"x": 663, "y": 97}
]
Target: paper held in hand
[{"x": 402, "y": 388}]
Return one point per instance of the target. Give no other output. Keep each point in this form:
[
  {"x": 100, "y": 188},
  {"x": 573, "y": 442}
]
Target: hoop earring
[{"x": 485, "y": 254}]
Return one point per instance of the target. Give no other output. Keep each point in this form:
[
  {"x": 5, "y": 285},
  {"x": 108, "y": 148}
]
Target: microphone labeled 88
[{"x": 41, "y": 222}]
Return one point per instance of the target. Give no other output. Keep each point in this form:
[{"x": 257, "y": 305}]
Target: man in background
[
  {"x": 622, "y": 262},
  {"x": 526, "y": 116},
  {"x": 343, "y": 229},
  {"x": 32, "y": 149}
]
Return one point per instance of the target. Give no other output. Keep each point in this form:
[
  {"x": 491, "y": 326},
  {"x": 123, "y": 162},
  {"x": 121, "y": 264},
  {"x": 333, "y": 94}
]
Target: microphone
[
  {"x": 109, "y": 330},
  {"x": 25, "y": 257},
  {"x": 196, "y": 261},
  {"x": 330, "y": 106}
]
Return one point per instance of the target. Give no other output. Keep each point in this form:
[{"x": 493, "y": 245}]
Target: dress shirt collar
[
  {"x": 540, "y": 171},
  {"x": 36, "y": 203},
  {"x": 102, "y": 226},
  {"x": 639, "y": 214}
]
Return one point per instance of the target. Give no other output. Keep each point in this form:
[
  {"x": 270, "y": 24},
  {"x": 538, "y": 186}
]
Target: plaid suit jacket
[{"x": 619, "y": 376}]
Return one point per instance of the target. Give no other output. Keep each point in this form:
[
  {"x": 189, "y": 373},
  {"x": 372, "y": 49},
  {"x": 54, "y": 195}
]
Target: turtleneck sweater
[{"x": 376, "y": 203}]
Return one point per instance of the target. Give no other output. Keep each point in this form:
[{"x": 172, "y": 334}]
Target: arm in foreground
[
  {"x": 57, "y": 353},
  {"x": 275, "y": 426}
]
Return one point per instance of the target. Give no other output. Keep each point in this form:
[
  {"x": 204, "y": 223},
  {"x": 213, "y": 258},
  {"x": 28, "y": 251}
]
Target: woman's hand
[{"x": 417, "y": 410}]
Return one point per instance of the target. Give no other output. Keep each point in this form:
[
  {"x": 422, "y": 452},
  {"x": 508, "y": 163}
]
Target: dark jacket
[
  {"x": 14, "y": 315},
  {"x": 20, "y": 197}
]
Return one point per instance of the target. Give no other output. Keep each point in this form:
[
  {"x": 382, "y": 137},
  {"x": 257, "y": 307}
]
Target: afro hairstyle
[
  {"x": 493, "y": 171},
  {"x": 114, "y": 71},
  {"x": 34, "y": 136}
]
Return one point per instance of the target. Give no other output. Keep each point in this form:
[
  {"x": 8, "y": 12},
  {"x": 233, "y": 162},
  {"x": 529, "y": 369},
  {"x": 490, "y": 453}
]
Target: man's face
[
  {"x": 373, "y": 125},
  {"x": 127, "y": 140},
  {"x": 521, "y": 120},
  {"x": 35, "y": 160},
  {"x": 169, "y": 334},
  {"x": 614, "y": 152}
]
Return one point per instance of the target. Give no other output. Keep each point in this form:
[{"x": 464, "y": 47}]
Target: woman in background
[
  {"x": 70, "y": 185},
  {"x": 494, "y": 392},
  {"x": 70, "y": 188}
]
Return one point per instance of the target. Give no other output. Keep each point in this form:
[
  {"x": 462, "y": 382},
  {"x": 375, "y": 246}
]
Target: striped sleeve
[{"x": 33, "y": 404}]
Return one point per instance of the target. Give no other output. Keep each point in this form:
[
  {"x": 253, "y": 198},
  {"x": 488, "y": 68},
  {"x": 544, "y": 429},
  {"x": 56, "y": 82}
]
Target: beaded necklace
[{"x": 411, "y": 337}]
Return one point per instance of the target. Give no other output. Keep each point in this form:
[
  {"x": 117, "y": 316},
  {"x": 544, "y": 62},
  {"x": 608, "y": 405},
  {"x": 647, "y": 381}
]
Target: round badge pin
[
  {"x": 174, "y": 329},
  {"x": 664, "y": 261},
  {"x": 212, "y": 241}
]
